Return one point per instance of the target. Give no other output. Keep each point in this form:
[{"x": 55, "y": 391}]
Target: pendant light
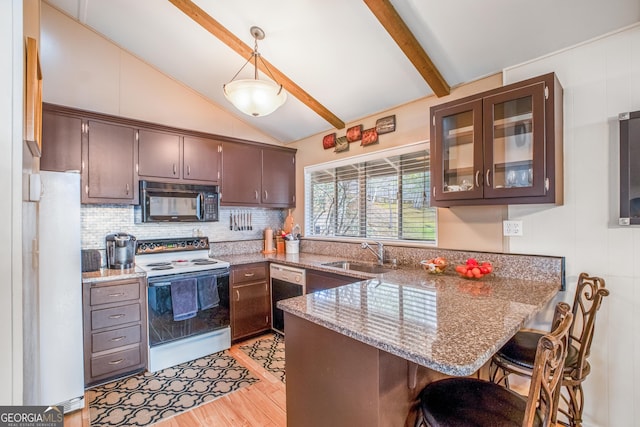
[{"x": 255, "y": 97}]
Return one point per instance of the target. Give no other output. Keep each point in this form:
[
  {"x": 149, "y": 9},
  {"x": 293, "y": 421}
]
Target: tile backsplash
[{"x": 99, "y": 220}]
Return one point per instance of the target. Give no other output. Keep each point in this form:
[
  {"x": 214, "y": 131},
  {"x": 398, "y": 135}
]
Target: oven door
[{"x": 212, "y": 294}]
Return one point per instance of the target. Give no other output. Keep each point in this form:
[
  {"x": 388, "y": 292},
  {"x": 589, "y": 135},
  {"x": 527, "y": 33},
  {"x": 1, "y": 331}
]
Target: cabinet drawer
[
  {"x": 115, "y": 316},
  {"x": 114, "y": 362},
  {"x": 107, "y": 294},
  {"x": 249, "y": 273},
  {"x": 108, "y": 340}
]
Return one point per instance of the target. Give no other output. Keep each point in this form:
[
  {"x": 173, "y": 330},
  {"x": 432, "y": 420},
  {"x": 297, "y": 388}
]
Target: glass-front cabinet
[
  {"x": 500, "y": 147},
  {"x": 515, "y": 143},
  {"x": 459, "y": 154}
]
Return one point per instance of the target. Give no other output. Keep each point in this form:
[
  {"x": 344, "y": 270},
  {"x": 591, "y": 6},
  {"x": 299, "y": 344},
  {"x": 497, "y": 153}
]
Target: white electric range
[{"x": 187, "y": 300}]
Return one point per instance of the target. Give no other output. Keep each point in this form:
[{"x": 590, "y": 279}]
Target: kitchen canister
[{"x": 292, "y": 246}]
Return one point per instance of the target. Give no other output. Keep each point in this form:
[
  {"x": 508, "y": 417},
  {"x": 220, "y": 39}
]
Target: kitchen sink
[{"x": 358, "y": 266}]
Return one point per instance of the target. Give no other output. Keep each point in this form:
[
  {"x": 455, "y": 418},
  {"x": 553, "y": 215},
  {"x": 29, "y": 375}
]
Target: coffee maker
[{"x": 121, "y": 248}]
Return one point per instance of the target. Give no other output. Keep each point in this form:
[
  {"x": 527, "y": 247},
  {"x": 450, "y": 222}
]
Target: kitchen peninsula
[{"x": 359, "y": 354}]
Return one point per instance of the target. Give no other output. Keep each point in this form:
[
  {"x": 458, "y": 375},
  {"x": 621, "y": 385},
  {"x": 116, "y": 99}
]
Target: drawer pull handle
[
  {"x": 116, "y": 339},
  {"x": 116, "y": 316},
  {"x": 117, "y": 295},
  {"x": 237, "y": 295},
  {"x": 116, "y": 362},
  {"x": 249, "y": 274}
]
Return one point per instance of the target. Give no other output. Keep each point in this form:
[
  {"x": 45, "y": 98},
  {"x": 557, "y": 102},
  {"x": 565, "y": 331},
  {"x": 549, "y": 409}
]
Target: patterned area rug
[
  {"x": 269, "y": 353},
  {"x": 146, "y": 398}
]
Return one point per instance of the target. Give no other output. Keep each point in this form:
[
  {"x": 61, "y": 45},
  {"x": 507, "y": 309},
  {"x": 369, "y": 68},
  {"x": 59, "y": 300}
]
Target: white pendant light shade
[{"x": 255, "y": 97}]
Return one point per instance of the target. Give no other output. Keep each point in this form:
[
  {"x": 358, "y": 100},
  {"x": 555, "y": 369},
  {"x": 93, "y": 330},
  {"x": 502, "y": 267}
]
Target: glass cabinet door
[
  {"x": 514, "y": 143},
  {"x": 458, "y": 152}
]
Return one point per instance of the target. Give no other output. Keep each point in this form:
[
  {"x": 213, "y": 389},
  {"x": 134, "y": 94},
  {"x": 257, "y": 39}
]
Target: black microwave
[{"x": 164, "y": 202}]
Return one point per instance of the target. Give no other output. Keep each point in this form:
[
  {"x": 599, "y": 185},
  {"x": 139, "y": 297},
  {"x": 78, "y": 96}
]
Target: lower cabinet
[
  {"x": 250, "y": 300},
  {"x": 317, "y": 280},
  {"x": 115, "y": 331}
]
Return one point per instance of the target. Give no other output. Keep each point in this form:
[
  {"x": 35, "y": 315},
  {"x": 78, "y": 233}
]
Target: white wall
[
  {"x": 84, "y": 70},
  {"x": 11, "y": 114},
  {"x": 601, "y": 79}
]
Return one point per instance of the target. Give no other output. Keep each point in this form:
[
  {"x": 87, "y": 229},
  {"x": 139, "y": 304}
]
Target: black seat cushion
[
  {"x": 456, "y": 402},
  {"x": 521, "y": 351}
]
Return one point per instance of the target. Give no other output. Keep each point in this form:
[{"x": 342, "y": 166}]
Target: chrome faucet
[{"x": 379, "y": 253}]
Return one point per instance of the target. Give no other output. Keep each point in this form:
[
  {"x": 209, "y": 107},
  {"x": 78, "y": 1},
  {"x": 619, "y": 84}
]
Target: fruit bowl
[
  {"x": 473, "y": 269},
  {"x": 435, "y": 265}
]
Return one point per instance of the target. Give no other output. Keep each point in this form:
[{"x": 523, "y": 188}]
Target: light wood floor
[{"x": 260, "y": 404}]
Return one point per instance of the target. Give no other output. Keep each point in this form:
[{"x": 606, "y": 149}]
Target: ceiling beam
[
  {"x": 398, "y": 30},
  {"x": 214, "y": 27}
]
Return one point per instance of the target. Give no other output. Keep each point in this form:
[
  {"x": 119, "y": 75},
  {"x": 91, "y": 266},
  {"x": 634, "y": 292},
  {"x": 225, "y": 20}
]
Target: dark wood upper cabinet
[
  {"x": 109, "y": 158},
  {"x": 61, "y": 142},
  {"x": 241, "y": 175},
  {"x": 201, "y": 159},
  {"x": 502, "y": 146},
  {"x": 254, "y": 175},
  {"x": 178, "y": 157},
  {"x": 114, "y": 153},
  {"x": 278, "y": 178},
  {"x": 159, "y": 154}
]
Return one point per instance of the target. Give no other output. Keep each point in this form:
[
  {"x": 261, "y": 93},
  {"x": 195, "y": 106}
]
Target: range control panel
[{"x": 171, "y": 245}]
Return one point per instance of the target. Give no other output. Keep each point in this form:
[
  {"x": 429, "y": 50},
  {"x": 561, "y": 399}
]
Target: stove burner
[
  {"x": 158, "y": 264},
  {"x": 204, "y": 261},
  {"x": 162, "y": 267}
]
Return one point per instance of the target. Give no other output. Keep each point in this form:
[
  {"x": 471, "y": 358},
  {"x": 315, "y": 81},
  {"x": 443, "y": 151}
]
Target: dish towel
[
  {"x": 160, "y": 298},
  {"x": 208, "y": 292},
  {"x": 184, "y": 299}
]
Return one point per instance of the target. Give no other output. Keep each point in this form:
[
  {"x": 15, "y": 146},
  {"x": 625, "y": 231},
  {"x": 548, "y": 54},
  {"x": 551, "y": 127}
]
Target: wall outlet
[{"x": 512, "y": 228}]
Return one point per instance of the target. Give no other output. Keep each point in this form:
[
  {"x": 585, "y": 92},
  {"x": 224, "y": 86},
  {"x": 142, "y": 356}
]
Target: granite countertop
[
  {"x": 443, "y": 322},
  {"x": 446, "y": 323},
  {"x": 108, "y": 274}
]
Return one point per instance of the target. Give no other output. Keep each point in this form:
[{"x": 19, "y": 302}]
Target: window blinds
[{"x": 382, "y": 198}]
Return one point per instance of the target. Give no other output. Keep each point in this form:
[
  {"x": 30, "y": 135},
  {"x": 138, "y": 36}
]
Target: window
[{"x": 384, "y": 195}]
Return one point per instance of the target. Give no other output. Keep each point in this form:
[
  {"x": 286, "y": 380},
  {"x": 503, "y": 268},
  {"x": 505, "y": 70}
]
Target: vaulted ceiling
[{"x": 342, "y": 60}]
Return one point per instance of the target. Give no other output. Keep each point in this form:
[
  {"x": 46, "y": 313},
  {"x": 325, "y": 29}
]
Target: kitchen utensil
[{"x": 288, "y": 223}]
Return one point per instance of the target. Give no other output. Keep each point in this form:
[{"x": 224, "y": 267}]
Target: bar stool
[
  {"x": 454, "y": 402},
  {"x": 517, "y": 356}
]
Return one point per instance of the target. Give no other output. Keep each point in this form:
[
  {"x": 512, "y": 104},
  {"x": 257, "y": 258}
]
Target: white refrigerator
[{"x": 59, "y": 361}]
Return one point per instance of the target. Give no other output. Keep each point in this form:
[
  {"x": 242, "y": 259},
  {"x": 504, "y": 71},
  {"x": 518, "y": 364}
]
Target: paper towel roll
[{"x": 268, "y": 239}]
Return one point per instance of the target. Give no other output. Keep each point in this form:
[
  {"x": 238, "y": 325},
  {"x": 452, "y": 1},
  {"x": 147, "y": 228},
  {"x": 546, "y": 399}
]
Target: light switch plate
[{"x": 512, "y": 228}]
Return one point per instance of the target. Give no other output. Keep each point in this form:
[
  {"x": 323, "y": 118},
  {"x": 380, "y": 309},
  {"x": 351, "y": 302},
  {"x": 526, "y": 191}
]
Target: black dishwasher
[{"x": 286, "y": 282}]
